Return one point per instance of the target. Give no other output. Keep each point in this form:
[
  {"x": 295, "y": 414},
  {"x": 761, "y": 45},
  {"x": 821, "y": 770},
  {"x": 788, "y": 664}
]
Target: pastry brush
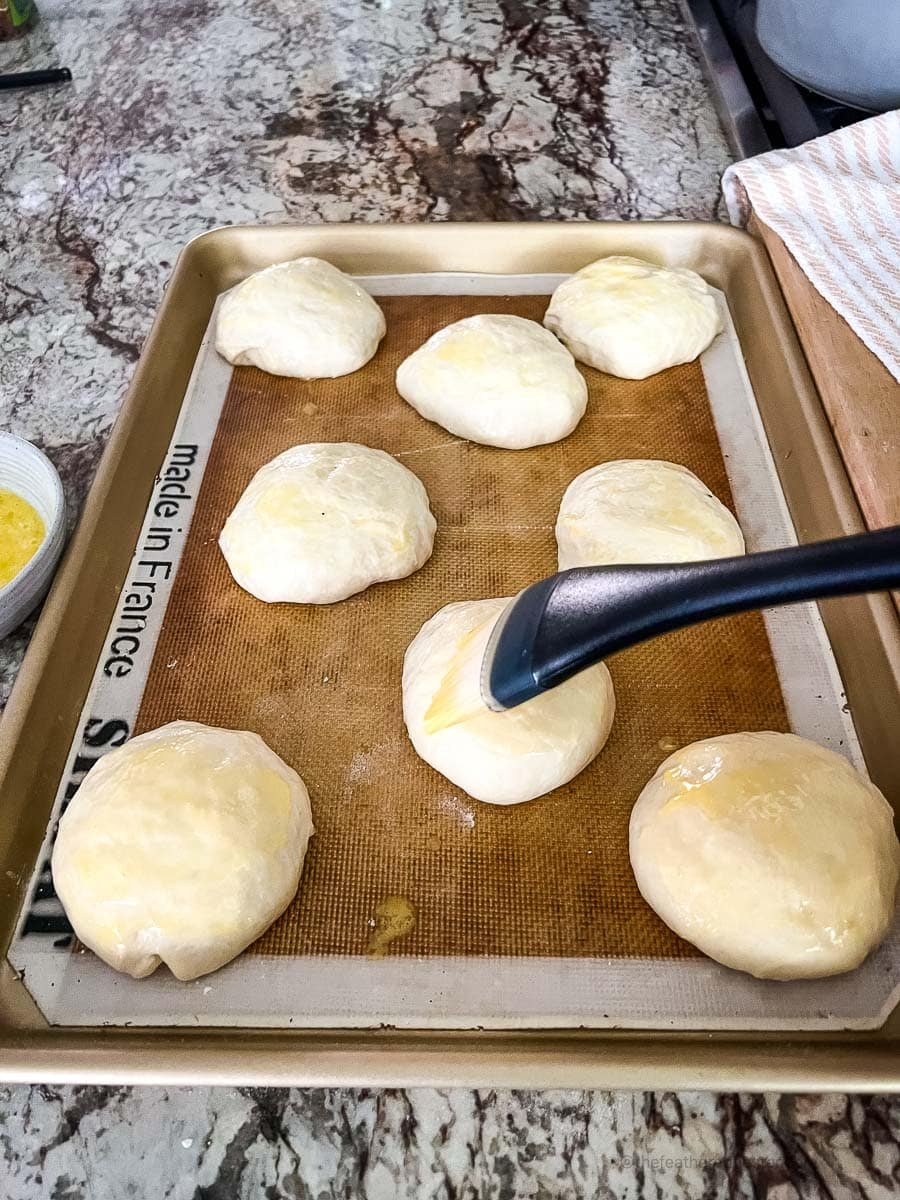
[{"x": 573, "y": 619}]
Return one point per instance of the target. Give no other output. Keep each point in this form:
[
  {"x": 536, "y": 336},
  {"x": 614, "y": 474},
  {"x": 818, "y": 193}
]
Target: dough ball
[
  {"x": 631, "y": 318},
  {"x": 304, "y": 319},
  {"x": 769, "y": 853},
  {"x": 181, "y": 847},
  {"x": 505, "y": 757},
  {"x": 499, "y": 380},
  {"x": 642, "y": 511},
  {"x": 323, "y": 521}
]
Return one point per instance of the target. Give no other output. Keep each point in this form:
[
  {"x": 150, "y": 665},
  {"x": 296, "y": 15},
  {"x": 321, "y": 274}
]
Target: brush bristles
[{"x": 459, "y": 696}]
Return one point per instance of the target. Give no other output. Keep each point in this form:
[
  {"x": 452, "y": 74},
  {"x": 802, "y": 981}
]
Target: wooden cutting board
[{"x": 859, "y": 394}]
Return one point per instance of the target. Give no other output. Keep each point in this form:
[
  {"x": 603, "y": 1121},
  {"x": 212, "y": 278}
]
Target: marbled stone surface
[
  {"x": 186, "y": 114},
  {"x": 228, "y": 1144}
]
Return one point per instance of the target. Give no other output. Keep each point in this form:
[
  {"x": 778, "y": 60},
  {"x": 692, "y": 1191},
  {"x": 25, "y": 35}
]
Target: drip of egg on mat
[{"x": 395, "y": 917}]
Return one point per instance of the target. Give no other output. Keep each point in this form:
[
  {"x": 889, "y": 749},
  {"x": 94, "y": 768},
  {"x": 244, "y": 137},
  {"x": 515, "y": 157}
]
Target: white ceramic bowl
[{"x": 27, "y": 471}]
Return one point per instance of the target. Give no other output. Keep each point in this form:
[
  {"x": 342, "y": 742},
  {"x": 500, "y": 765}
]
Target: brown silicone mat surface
[{"x": 321, "y": 685}]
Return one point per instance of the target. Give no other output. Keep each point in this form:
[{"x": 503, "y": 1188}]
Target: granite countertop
[{"x": 186, "y": 114}]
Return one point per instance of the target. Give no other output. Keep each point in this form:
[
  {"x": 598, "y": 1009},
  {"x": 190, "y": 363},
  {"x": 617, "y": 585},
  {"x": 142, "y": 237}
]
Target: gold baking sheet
[
  {"x": 436, "y": 990},
  {"x": 321, "y": 685},
  {"x": 41, "y": 717}
]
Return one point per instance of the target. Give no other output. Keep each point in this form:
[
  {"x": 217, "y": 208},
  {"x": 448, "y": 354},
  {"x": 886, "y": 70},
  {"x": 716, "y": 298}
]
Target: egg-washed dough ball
[
  {"x": 325, "y": 520},
  {"x": 304, "y": 319},
  {"x": 770, "y": 853},
  {"x": 503, "y": 757},
  {"x": 631, "y": 318},
  {"x": 498, "y": 380},
  {"x": 181, "y": 847},
  {"x": 642, "y": 511}
]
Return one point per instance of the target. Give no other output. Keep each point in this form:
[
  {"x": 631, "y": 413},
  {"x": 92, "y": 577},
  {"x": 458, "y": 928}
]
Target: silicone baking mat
[
  {"x": 321, "y": 685},
  {"x": 542, "y": 892}
]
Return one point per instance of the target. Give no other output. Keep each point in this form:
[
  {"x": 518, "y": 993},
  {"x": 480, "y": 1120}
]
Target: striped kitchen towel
[{"x": 835, "y": 203}]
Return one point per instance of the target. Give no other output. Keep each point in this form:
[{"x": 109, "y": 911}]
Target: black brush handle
[
  {"x": 29, "y": 79},
  {"x": 569, "y": 621}
]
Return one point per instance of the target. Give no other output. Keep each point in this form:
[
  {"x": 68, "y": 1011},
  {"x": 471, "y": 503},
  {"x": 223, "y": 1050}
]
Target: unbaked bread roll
[
  {"x": 505, "y": 757},
  {"x": 304, "y": 319},
  {"x": 499, "y": 380},
  {"x": 770, "y": 853},
  {"x": 632, "y": 318},
  {"x": 642, "y": 511},
  {"x": 181, "y": 847},
  {"x": 325, "y": 520}
]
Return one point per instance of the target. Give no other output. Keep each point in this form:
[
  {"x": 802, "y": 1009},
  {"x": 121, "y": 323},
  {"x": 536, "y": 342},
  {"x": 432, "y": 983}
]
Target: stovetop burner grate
[{"x": 760, "y": 107}]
